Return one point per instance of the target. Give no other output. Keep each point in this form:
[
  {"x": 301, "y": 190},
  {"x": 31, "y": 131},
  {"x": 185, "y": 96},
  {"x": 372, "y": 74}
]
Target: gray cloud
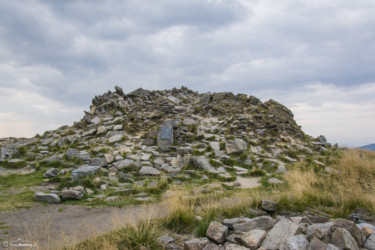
[{"x": 65, "y": 52}]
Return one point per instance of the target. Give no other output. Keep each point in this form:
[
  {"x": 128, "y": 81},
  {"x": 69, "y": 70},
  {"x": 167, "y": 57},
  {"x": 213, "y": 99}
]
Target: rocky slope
[{"x": 136, "y": 144}]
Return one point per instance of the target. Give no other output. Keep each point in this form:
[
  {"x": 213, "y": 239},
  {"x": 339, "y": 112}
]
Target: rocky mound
[{"x": 145, "y": 140}]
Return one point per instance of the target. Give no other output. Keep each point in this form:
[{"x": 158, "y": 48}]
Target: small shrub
[{"x": 142, "y": 235}]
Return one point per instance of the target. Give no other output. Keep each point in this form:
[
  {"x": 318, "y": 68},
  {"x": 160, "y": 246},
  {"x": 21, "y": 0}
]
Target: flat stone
[
  {"x": 149, "y": 171},
  {"x": 101, "y": 162},
  {"x": 174, "y": 99},
  {"x": 232, "y": 246},
  {"x": 49, "y": 198},
  {"x": 203, "y": 163},
  {"x": 115, "y": 138},
  {"x": 215, "y": 145},
  {"x": 217, "y": 232},
  {"x": 84, "y": 171},
  {"x": 71, "y": 194},
  {"x": 112, "y": 198},
  {"x": 253, "y": 238},
  {"x": 261, "y": 222},
  {"x": 123, "y": 163},
  {"x": 101, "y": 130},
  {"x": 72, "y": 152},
  {"x": 230, "y": 222},
  {"x": 275, "y": 181},
  {"x": 189, "y": 122},
  {"x": 211, "y": 246}
]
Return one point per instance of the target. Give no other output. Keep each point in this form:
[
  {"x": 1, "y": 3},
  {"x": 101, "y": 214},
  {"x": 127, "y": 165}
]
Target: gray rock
[
  {"x": 196, "y": 244},
  {"x": 149, "y": 171},
  {"x": 211, "y": 246},
  {"x": 165, "y": 239},
  {"x": 279, "y": 233},
  {"x": 89, "y": 132},
  {"x": 268, "y": 206},
  {"x": 123, "y": 164},
  {"x": 316, "y": 244},
  {"x": 343, "y": 239},
  {"x": 101, "y": 130},
  {"x": 52, "y": 172},
  {"x": 253, "y": 238},
  {"x": 95, "y": 120},
  {"x": 215, "y": 145},
  {"x": 119, "y": 91},
  {"x": 298, "y": 242},
  {"x": 71, "y": 194},
  {"x": 189, "y": 122},
  {"x": 165, "y": 137},
  {"x": 98, "y": 162},
  {"x": 235, "y": 146},
  {"x": 230, "y": 222},
  {"x": 84, "y": 155},
  {"x": 262, "y": 222},
  {"x": 232, "y": 246},
  {"x": 72, "y": 152},
  {"x": 351, "y": 227},
  {"x": 49, "y": 198},
  {"x": 174, "y": 99},
  {"x": 203, "y": 163},
  {"x": 84, "y": 171},
  {"x": 320, "y": 230},
  {"x": 112, "y": 198},
  {"x": 115, "y": 138},
  {"x": 275, "y": 181},
  {"x": 370, "y": 242},
  {"x": 184, "y": 150},
  {"x": 217, "y": 232}
]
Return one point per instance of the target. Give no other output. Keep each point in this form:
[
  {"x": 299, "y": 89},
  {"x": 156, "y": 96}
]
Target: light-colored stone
[
  {"x": 261, "y": 222},
  {"x": 196, "y": 244},
  {"x": 71, "y": 194},
  {"x": 52, "y": 172},
  {"x": 149, "y": 171},
  {"x": 235, "y": 146},
  {"x": 268, "y": 206},
  {"x": 232, "y": 246},
  {"x": 101, "y": 130},
  {"x": 343, "y": 239},
  {"x": 297, "y": 242},
  {"x": 215, "y": 145},
  {"x": 277, "y": 235},
  {"x": 370, "y": 242},
  {"x": 115, "y": 138},
  {"x": 217, "y": 232},
  {"x": 253, "y": 238}
]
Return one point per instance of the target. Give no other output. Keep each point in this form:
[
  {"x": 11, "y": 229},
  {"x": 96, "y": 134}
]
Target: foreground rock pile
[
  {"x": 293, "y": 231},
  {"x": 134, "y": 143}
]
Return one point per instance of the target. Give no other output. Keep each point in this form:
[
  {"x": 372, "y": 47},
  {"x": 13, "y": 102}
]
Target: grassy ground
[
  {"x": 14, "y": 190},
  {"x": 349, "y": 184}
]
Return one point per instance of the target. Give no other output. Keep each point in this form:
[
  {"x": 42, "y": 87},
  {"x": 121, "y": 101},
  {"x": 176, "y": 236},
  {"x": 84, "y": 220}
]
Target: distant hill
[{"x": 369, "y": 147}]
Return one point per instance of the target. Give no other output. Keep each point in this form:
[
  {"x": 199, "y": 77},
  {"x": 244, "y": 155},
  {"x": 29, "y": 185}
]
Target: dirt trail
[{"x": 53, "y": 226}]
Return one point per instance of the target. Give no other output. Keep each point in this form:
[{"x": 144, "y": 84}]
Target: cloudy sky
[{"x": 317, "y": 57}]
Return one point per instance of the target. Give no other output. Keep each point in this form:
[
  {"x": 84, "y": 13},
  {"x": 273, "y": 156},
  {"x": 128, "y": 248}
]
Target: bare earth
[{"x": 48, "y": 228}]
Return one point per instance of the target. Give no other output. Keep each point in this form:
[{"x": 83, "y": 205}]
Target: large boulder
[
  {"x": 235, "y": 146},
  {"x": 49, "y": 198},
  {"x": 217, "y": 232},
  {"x": 370, "y": 242},
  {"x": 343, "y": 239},
  {"x": 351, "y": 227},
  {"x": 297, "y": 242}
]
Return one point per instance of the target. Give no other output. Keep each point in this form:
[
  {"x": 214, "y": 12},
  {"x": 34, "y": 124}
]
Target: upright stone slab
[{"x": 165, "y": 137}]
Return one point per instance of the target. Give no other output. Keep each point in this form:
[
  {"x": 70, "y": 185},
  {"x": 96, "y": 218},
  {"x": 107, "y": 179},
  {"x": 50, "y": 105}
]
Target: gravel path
[{"x": 53, "y": 226}]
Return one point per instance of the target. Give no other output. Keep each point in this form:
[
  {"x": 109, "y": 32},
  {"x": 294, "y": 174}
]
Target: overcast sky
[{"x": 317, "y": 57}]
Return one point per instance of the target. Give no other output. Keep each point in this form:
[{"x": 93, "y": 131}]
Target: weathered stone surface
[
  {"x": 235, "y": 146},
  {"x": 297, "y": 242},
  {"x": 215, "y": 145},
  {"x": 268, "y": 206},
  {"x": 230, "y": 222},
  {"x": 279, "y": 233},
  {"x": 211, "y": 246},
  {"x": 52, "y": 172},
  {"x": 253, "y": 238},
  {"x": 72, "y": 152},
  {"x": 217, "y": 232},
  {"x": 370, "y": 242},
  {"x": 84, "y": 171},
  {"x": 115, "y": 138},
  {"x": 203, "y": 163},
  {"x": 49, "y": 198},
  {"x": 71, "y": 194},
  {"x": 165, "y": 239},
  {"x": 196, "y": 244},
  {"x": 84, "y": 155},
  {"x": 189, "y": 122},
  {"x": 149, "y": 171},
  {"x": 112, "y": 198},
  {"x": 101, "y": 130},
  {"x": 165, "y": 137},
  {"x": 109, "y": 158},
  {"x": 262, "y": 222},
  {"x": 351, "y": 227},
  {"x": 98, "y": 162},
  {"x": 320, "y": 230},
  {"x": 232, "y": 246},
  {"x": 316, "y": 244},
  {"x": 343, "y": 239},
  {"x": 123, "y": 164}
]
